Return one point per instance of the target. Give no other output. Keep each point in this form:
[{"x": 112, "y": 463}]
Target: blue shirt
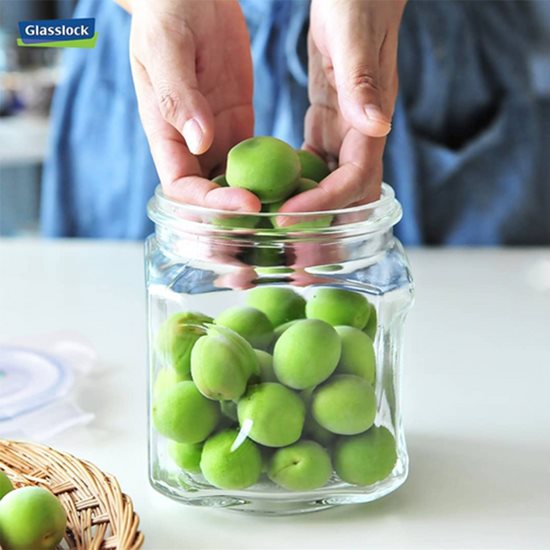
[{"x": 466, "y": 154}]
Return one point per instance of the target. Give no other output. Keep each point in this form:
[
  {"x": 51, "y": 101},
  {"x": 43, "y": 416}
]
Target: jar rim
[{"x": 382, "y": 213}]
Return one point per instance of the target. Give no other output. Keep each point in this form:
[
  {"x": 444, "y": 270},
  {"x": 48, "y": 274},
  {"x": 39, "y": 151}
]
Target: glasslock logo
[{"x": 58, "y": 33}]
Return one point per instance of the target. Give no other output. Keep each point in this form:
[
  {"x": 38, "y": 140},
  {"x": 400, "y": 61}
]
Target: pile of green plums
[
  {"x": 280, "y": 385},
  {"x": 274, "y": 172},
  {"x": 30, "y": 518}
]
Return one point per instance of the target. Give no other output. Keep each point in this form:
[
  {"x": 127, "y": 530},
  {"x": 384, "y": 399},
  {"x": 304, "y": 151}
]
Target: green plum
[
  {"x": 345, "y": 405},
  {"x": 315, "y": 431},
  {"x": 221, "y": 364},
  {"x": 220, "y": 180},
  {"x": 281, "y": 305},
  {"x": 166, "y": 378},
  {"x": 267, "y": 374},
  {"x": 264, "y": 165},
  {"x": 338, "y": 306},
  {"x": 306, "y": 354},
  {"x": 280, "y": 329},
  {"x": 5, "y": 484},
  {"x": 183, "y": 414},
  {"x": 31, "y": 518},
  {"x": 367, "y": 458},
  {"x": 358, "y": 355},
  {"x": 176, "y": 338},
  {"x": 229, "y": 410},
  {"x": 251, "y": 323},
  {"x": 313, "y": 166},
  {"x": 372, "y": 323},
  {"x": 271, "y": 414},
  {"x": 303, "y": 466},
  {"x": 229, "y": 466},
  {"x": 186, "y": 456}
]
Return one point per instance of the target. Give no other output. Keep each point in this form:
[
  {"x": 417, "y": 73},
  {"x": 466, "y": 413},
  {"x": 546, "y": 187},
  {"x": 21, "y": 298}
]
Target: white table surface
[{"x": 475, "y": 400}]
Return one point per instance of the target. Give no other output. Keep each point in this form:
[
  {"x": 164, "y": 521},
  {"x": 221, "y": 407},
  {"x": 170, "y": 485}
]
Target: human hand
[
  {"x": 192, "y": 71},
  {"x": 352, "y": 47}
]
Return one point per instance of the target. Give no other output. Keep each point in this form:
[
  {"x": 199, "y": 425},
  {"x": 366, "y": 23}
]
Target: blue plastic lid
[{"x": 28, "y": 380}]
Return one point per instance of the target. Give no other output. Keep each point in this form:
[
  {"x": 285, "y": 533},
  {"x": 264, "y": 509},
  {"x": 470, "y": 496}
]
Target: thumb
[
  {"x": 355, "y": 59},
  {"x": 171, "y": 67}
]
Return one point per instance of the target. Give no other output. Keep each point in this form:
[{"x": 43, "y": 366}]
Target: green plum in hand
[
  {"x": 229, "y": 465},
  {"x": 31, "y": 518},
  {"x": 266, "y": 166},
  {"x": 366, "y": 458},
  {"x": 303, "y": 466},
  {"x": 313, "y": 167}
]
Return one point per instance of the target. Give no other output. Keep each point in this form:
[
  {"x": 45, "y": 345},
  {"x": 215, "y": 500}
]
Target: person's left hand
[{"x": 352, "y": 47}]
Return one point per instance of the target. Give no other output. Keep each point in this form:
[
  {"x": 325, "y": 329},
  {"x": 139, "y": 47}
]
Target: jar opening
[{"x": 373, "y": 217}]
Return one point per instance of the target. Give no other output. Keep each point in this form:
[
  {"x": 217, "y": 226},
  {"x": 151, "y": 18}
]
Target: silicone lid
[{"x": 28, "y": 380}]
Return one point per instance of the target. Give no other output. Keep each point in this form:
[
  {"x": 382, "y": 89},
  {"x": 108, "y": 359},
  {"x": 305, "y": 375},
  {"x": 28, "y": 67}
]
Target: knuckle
[
  {"x": 363, "y": 79},
  {"x": 169, "y": 103}
]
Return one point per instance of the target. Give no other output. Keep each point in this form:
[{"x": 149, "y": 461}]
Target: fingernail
[
  {"x": 374, "y": 115},
  {"x": 192, "y": 133}
]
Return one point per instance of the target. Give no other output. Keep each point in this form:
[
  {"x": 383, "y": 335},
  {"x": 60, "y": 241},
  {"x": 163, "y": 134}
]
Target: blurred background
[{"x": 469, "y": 153}]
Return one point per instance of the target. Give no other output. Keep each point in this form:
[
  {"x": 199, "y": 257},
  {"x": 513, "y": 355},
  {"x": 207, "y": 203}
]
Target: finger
[
  {"x": 170, "y": 61},
  {"x": 355, "y": 61},
  {"x": 357, "y": 179},
  {"x": 179, "y": 170}
]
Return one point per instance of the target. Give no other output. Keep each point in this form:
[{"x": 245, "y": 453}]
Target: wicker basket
[{"x": 99, "y": 515}]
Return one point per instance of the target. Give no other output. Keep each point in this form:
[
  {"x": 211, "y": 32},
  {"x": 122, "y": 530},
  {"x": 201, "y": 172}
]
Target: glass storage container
[{"x": 312, "y": 420}]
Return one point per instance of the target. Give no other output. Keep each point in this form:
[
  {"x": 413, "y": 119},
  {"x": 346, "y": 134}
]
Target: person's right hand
[{"x": 192, "y": 71}]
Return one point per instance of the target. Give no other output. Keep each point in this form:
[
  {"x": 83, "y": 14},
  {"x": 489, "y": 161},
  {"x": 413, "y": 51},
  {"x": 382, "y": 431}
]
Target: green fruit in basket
[
  {"x": 281, "y": 305},
  {"x": 271, "y": 414},
  {"x": 31, "y": 518},
  {"x": 367, "y": 458},
  {"x": 372, "y": 323},
  {"x": 358, "y": 355},
  {"x": 338, "y": 306},
  {"x": 186, "y": 456},
  {"x": 313, "y": 167},
  {"x": 266, "y": 166},
  {"x": 166, "y": 378},
  {"x": 221, "y": 364},
  {"x": 344, "y": 405},
  {"x": 220, "y": 180},
  {"x": 228, "y": 463},
  {"x": 251, "y": 323},
  {"x": 303, "y": 466},
  {"x": 306, "y": 354},
  {"x": 5, "y": 484},
  {"x": 267, "y": 374},
  {"x": 183, "y": 414},
  {"x": 176, "y": 338}
]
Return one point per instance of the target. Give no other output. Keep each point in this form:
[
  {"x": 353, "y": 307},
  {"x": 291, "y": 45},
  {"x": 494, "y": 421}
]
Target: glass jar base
[{"x": 282, "y": 503}]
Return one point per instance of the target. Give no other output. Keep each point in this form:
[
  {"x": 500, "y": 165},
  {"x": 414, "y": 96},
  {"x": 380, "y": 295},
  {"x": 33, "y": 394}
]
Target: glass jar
[{"x": 313, "y": 419}]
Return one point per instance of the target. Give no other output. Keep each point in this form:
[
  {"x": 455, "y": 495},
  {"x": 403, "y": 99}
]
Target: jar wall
[{"x": 175, "y": 284}]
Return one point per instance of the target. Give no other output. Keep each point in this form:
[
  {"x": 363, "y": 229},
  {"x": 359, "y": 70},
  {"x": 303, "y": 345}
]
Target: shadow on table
[
  {"x": 459, "y": 477},
  {"x": 450, "y": 478}
]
